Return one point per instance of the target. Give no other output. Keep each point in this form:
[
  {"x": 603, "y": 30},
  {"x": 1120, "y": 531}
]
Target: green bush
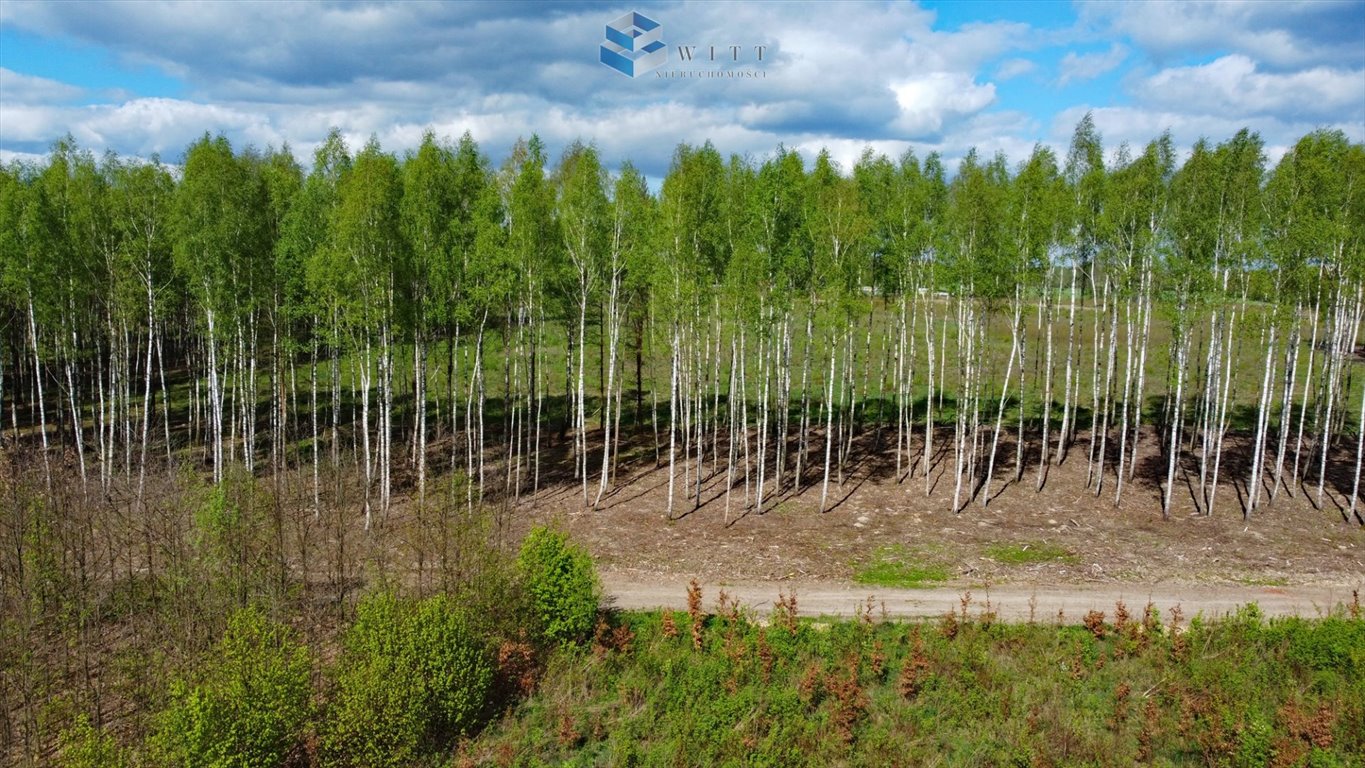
[
  {"x": 249, "y": 704},
  {"x": 453, "y": 665},
  {"x": 1334, "y": 643},
  {"x": 411, "y": 675},
  {"x": 85, "y": 746},
  {"x": 562, "y": 584}
]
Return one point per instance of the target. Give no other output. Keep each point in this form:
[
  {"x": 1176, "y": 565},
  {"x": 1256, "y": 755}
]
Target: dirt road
[{"x": 1011, "y": 601}]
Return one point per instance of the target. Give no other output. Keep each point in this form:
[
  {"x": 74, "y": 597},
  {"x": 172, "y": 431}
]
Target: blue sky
[{"x": 148, "y": 77}]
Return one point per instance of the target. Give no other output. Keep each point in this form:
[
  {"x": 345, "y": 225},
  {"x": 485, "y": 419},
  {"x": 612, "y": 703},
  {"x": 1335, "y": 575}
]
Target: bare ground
[
  {"x": 1014, "y": 602},
  {"x": 1290, "y": 557}
]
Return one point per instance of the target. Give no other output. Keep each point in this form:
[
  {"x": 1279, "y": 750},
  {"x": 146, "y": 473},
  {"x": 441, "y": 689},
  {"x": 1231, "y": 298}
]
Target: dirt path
[{"x": 1010, "y": 601}]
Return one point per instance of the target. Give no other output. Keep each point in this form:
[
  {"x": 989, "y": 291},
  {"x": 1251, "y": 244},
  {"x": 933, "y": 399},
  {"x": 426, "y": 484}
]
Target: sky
[{"x": 149, "y": 77}]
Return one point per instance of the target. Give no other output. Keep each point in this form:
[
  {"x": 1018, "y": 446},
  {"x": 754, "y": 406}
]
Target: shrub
[
  {"x": 452, "y": 663},
  {"x": 411, "y": 674},
  {"x": 85, "y": 746},
  {"x": 1333, "y": 643},
  {"x": 248, "y": 706},
  {"x": 562, "y": 585}
]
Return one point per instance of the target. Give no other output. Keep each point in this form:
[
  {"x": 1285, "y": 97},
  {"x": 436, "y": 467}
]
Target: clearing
[{"x": 1074, "y": 550}]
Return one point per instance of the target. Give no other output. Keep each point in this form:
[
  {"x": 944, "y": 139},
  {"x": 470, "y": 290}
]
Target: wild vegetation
[
  {"x": 516, "y": 662},
  {"x": 412, "y": 318},
  {"x": 1130, "y": 688},
  {"x": 262, "y": 430}
]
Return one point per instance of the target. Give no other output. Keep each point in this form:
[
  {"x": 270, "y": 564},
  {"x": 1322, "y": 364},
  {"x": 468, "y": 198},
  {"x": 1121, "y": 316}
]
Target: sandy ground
[
  {"x": 1289, "y": 557},
  {"x": 1014, "y": 602}
]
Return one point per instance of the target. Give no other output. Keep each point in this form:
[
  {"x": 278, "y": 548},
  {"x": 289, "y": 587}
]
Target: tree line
[{"x": 755, "y": 320}]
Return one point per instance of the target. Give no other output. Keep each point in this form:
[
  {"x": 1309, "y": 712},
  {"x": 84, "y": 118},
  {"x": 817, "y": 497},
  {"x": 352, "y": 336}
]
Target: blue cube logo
[{"x": 634, "y": 45}]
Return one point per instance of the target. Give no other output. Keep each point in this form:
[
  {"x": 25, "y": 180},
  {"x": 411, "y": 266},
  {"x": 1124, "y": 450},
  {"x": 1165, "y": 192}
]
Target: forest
[{"x": 433, "y": 316}]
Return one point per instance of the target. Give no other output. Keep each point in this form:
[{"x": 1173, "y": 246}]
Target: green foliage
[
  {"x": 856, "y": 692},
  {"x": 1255, "y": 744},
  {"x": 412, "y": 674},
  {"x": 896, "y": 566},
  {"x": 1332, "y": 644},
  {"x": 232, "y": 558},
  {"x": 249, "y": 704},
  {"x": 562, "y": 585},
  {"x": 82, "y": 745}
]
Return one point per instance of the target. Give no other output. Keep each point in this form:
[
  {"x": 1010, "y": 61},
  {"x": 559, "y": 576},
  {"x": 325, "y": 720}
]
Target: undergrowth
[{"x": 1130, "y": 687}]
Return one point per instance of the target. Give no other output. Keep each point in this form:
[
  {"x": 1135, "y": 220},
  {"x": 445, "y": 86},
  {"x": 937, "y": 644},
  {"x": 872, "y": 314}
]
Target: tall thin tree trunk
[
  {"x": 1000, "y": 411},
  {"x": 1173, "y": 458},
  {"x": 1048, "y": 312},
  {"x": 38, "y": 384},
  {"x": 829, "y": 420}
]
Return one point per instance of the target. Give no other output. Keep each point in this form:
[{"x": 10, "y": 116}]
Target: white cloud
[
  {"x": 1281, "y": 34},
  {"x": 16, "y": 87},
  {"x": 1233, "y": 85},
  {"x": 930, "y": 101},
  {"x": 1012, "y": 68},
  {"x": 1088, "y": 66},
  {"x": 8, "y": 157},
  {"x": 267, "y": 73}
]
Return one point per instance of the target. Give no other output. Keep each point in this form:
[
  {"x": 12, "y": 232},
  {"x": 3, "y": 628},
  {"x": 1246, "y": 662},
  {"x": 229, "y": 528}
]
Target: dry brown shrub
[
  {"x": 670, "y": 627},
  {"x": 1121, "y": 694},
  {"x": 949, "y": 626},
  {"x": 811, "y": 688},
  {"x": 914, "y": 671},
  {"x": 1180, "y": 644},
  {"x": 850, "y": 700},
  {"x": 516, "y": 668},
  {"x": 727, "y": 607},
  {"x": 1150, "y": 724},
  {"x": 877, "y": 663},
  {"x": 1077, "y": 664},
  {"x": 765, "y": 657},
  {"x": 864, "y": 612},
  {"x": 568, "y": 735},
  {"x": 694, "y": 612},
  {"x": 1094, "y": 621},
  {"x": 608, "y": 638},
  {"x": 1314, "y": 729},
  {"x": 784, "y": 612}
]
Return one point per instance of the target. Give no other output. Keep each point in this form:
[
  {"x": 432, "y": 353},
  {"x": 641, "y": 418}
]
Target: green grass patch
[
  {"x": 1025, "y": 554},
  {"x": 973, "y": 691},
  {"x": 896, "y": 566}
]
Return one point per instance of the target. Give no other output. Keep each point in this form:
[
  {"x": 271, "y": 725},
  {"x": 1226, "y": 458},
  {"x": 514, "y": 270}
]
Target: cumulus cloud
[
  {"x": 1088, "y": 66},
  {"x": 19, "y": 88},
  {"x": 1282, "y": 35},
  {"x": 839, "y": 75},
  {"x": 1233, "y": 85},
  {"x": 1012, "y": 68},
  {"x": 928, "y": 102},
  {"x": 265, "y": 73}
]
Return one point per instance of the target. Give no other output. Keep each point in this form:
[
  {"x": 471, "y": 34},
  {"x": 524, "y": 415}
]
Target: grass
[
  {"x": 1263, "y": 581},
  {"x": 1027, "y": 554},
  {"x": 898, "y": 567},
  {"x": 965, "y": 691}
]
